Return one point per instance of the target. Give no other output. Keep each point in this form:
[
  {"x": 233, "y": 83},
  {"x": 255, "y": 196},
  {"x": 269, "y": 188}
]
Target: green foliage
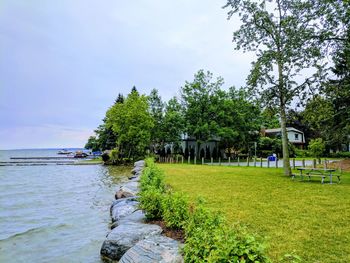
[
  {"x": 151, "y": 202},
  {"x": 302, "y": 153},
  {"x": 174, "y": 123},
  {"x": 132, "y": 122},
  {"x": 92, "y": 144},
  {"x": 317, "y": 147},
  {"x": 175, "y": 207},
  {"x": 340, "y": 155},
  {"x": 114, "y": 155},
  {"x": 210, "y": 239}
]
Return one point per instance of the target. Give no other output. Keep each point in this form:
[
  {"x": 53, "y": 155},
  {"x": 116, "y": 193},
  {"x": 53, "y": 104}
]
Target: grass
[{"x": 309, "y": 218}]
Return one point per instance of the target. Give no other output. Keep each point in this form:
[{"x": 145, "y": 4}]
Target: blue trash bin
[{"x": 271, "y": 158}]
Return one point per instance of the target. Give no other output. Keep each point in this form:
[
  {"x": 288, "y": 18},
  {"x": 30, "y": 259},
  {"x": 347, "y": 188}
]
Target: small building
[{"x": 295, "y": 136}]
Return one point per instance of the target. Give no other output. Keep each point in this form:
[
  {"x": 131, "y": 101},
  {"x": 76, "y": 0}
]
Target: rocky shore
[{"x": 132, "y": 239}]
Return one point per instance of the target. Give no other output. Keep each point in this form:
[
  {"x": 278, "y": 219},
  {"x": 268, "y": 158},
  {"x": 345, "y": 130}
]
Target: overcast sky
[{"x": 62, "y": 63}]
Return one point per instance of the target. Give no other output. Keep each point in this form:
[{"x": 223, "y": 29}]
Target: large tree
[
  {"x": 285, "y": 36},
  {"x": 132, "y": 122},
  {"x": 197, "y": 100},
  {"x": 156, "y": 108}
]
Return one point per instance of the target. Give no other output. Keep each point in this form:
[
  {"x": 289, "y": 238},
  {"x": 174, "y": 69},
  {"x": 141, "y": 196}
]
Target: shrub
[
  {"x": 175, "y": 209},
  {"x": 340, "y": 155},
  {"x": 114, "y": 155},
  {"x": 152, "y": 177},
  {"x": 210, "y": 239},
  {"x": 317, "y": 147},
  {"x": 302, "y": 153},
  {"x": 105, "y": 157},
  {"x": 150, "y": 202}
]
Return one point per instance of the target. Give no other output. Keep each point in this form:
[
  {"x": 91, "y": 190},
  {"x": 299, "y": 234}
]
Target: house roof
[{"x": 276, "y": 130}]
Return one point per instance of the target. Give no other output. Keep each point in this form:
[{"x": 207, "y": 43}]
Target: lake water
[{"x": 54, "y": 213}]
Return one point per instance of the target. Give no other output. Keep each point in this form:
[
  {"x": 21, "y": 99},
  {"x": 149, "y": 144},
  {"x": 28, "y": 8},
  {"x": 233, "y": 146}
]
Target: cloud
[{"x": 64, "y": 62}]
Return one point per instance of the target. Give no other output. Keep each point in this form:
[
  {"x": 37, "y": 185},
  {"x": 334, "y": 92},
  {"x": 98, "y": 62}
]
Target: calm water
[{"x": 54, "y": 213}]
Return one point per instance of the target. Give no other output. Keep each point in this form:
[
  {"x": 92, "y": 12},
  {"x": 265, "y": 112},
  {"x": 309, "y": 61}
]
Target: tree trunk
[
  {"x": 282, "y": 91},
  {"x": 286, "y": 164}
]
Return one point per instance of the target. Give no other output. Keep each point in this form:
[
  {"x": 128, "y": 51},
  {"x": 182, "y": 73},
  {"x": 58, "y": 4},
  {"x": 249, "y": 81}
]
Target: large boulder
[
  {"x": 125, "y": 236},
  {"x": 131, "y": 185},
  {"x": 140, "y": 163},
  {"x": 136, "y": 217},
  {"x": 124, "y": 192},
  {"x": 137, "y": 170},
  {"x": 154, "y": 249},
  {"x": 123, "y": 207}
]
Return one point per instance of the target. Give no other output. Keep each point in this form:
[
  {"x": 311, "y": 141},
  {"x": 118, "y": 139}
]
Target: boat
[
  {"x": 64, "y": 151},
  {"x": 80, "y": 154}
]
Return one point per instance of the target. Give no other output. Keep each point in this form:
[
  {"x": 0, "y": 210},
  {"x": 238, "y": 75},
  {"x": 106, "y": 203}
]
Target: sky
[{"x": 63, "y": 63}]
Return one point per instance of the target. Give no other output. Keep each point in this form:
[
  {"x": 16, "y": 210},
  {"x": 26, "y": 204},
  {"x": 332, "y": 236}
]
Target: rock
[
  {"x": 132, "y": 186},
  {"x": 140, "y": 163},
  {"x": 137, "y": 170},
  {"x": 125, "y": 236},
  {"x": 124, "y": 192},
  {"x": 136, "y": 217},
  {"x": 123, "y": 207},
  {"x": 154, "y": 249}
]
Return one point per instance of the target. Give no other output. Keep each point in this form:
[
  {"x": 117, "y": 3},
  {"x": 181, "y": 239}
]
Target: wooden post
[
  {"x": 268, "y": 162},
  {"x": 314, "y": 163},
  {"x": 211, "y": 160},
  {"x": 182, "y": 159},
  {"x": 319, "y": 161},
  {"x": 276, "y": 162},
  {"x": 238, "y": 161},
  {"x": 254, "y": 161},
  {"x": 325, "y": 164},
  {"x": 195, "y": 160},
  {"x": 229, "y": 160},
  {"x": 202, "y": 160},
  {"x": 189, "y": 160},
  {"x": 303, "y": 162},
  {"x": 293, "y": 163},
  {"x": 261, "y": 162},
  {"x": 219, "y": 160},
  {"x": 248, "y": 161}
]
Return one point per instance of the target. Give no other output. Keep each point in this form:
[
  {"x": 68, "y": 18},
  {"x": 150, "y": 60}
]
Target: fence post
[
  {"x": 219, "y": 160},
  {"x": 248, "y": 161},
  {"x": 229, "y": 160},
  {"x": 319, "y": 161},
  {"x": 293, "y": 163},
  {"x": 314, "y": 163},
  {"x": 202, "y": 160},
  {"x": 276, "y": 162},
  {"x": 261, "y": 162},
  {"x": 189, "y": 160},
  {"x": 238, "y": 161},
  {"x": 254, "y": 161},
  {"x": 195, "y": 160},
  {"x": 268, "y": 163},
  {"x": 303, "y": 161},
  {"x": 211, "y": 160},
  {"x": 182, "y": 159}
]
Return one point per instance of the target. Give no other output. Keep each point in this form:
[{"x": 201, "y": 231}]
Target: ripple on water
[{"x": 55, "y": 213}]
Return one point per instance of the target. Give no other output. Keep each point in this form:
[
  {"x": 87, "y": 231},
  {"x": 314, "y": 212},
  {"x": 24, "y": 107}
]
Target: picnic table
[{"x": 318, "y": 172}]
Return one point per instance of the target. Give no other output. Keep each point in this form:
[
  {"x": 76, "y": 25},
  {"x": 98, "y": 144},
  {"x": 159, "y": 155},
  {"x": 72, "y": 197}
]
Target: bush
[
  {"x": 210, "y": 239},
  {"x": 151, "y": 203},
  {"x": 114, "y": 155},
  {"x": 105, "y": 157},
  {"x": 175, "y": 209},
  {"x": 302, "y": 153},
  {"x": 152, "y": 177},
  {"x": 340, "y": 155},
  {"x": 317, "y": 147}
]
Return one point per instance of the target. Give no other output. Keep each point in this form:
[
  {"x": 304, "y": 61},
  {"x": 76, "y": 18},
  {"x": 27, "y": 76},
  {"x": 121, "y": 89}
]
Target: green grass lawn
[{"x": 306, "y": 217}]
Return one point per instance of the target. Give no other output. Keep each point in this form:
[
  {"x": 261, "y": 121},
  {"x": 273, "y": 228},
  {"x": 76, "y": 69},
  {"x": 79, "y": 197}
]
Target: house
[{"x": 295, "y": 136}]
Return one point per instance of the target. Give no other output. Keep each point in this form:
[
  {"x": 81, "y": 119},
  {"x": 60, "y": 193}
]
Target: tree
[
  {"x": 317, "y": 147},
  {"x": 284, "y": 36},
  {"x": 92, "y": 144},
  {"x": 174, "y": 122},
  {"x": 132, "y": 122},
  {"x": 198, "y": 109},
  {"x": 156, "y": 108}
]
